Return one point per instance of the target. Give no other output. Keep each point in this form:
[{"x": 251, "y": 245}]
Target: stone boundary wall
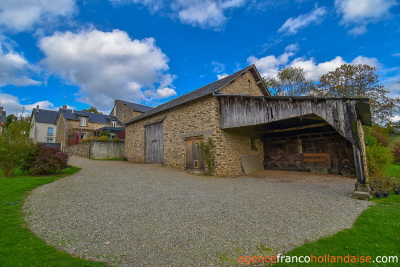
[{"x": 98, "y": 150}]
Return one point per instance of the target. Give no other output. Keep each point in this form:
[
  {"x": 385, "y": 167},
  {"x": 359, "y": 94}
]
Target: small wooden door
[
  {"x": 193, "y": 154},
  {"x": 155, "y": 143}
]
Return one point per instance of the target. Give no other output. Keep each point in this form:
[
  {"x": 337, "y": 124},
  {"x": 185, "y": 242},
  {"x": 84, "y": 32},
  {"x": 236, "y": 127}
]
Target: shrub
[
  {"x": 105, "y": 134},
  {"x": 104, "y": 139},
  {"x": 13, "y": 143},
  {"x": 379, "y": 158},
  {"x": 29, "y": 157},
  {"x": 207, "y": 149},
  {"x": 50, "y": 160},
  {"x": 369, "y": 139},
  {"x": 116, "y": 139},
  {"x": 395, "y": 147},
  {"x": 381, "y": 138}
]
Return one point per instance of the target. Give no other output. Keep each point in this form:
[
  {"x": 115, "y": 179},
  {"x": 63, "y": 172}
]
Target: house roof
[
  {"x": 44, "y": 116},
  {"x": 3, "y": 116},
  {"x": 92, "y": 117},
  {"x": 136, "y": 107},
  {"x": 203, "y": 91},
  {"x": 109, "y": 129}
]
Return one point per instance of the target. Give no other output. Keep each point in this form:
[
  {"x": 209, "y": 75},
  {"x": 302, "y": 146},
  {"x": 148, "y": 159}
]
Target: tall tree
[
  {"x": 92, "y": 110},
  {"x": 9, "y": 119},
  {"x": 290, "y": 81},
  {"x": 359, "y": 80}
]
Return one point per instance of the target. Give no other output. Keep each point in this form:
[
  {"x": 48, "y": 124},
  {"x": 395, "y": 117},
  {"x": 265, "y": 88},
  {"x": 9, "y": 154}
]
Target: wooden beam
[{"x": 298, "y": 128}]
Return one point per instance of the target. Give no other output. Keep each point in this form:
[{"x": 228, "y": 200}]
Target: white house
[{"x": 43, "y": 128}]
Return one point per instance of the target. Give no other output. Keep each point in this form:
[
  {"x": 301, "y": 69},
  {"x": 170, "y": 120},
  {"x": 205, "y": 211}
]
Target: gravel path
[{"x": 136, "y": 214}]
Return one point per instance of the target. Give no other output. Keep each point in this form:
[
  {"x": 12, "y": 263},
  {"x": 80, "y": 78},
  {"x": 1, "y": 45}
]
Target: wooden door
[
  {"x": 193, "y": 154},
  {"x": 155, "y": 143}
]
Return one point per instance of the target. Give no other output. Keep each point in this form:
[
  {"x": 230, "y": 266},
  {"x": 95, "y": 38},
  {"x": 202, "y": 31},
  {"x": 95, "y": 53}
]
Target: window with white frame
[
  {"x": 50, "y": 131},
  {"x": 83, "y": 121},
  {"x": 49, "y": 140},
  {"x": 114, "y": 124}
]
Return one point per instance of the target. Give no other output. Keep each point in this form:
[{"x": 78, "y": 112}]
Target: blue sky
[{"x": 149, "y": 51}]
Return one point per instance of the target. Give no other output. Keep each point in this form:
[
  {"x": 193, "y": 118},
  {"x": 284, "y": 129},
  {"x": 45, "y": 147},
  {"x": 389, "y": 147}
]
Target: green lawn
[
  {"x": 19, "y": 246},
  {"x": 394, "y": 170},
  {"x": 375, "y": 233}
]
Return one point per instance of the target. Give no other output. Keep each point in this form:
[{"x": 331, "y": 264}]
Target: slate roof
[
  {"x": 45, "y": 116},
  {"x": 136, "y": 107},
  {"x": 3, "y": 116},
  {"x": 92, "y": 117},
  {"x": 201, "y": 92}
]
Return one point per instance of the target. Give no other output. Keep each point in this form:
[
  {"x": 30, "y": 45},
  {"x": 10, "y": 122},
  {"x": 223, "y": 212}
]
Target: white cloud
[
  {"x": 22, "y": 15},
  {"x": 12, "y": 105},
  {"x": 14, "y": 68},
  {"x": 108, "y": 66},
  {"x": 218, "y": 67},
  {"x": 292, "y": 25},
  {"x": 358, "y": 14},
  {"x": 198, "y": 13},
  {"x": 395, "y": 118},
  {"x": 270, "y": 65},
  {"x": 221, "y": 76},
  {"x": 292, "y": 48}
]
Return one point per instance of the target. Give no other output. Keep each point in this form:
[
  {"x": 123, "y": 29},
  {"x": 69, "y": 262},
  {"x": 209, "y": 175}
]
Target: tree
[
  {"x": 9, "y": 119},
  {"x": 92, "y": 110},
  {"x": 14, "y": 142},
  {"x": 359, "y": 80},
  {"x": 290, "y": 81}
]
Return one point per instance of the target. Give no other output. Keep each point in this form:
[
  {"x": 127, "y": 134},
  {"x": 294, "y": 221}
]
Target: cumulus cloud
[
  {"x": 198, "y": 13},
  {"x": 270, "y": 65},
  {"x": 357, "y": 14},
  {"x": 14, "y": 68},
  {"x": 108, "y": 66},
  {"x": 12, "y": 105},
  {"x": 293, "y": 25},
  {"x": 22, "y": 15}
]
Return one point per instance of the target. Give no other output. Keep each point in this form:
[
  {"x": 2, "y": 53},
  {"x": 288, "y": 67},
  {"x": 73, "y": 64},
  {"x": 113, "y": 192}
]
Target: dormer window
[
  {"x": 83, "y": 121},
  {"x": 114, "y": 124}
]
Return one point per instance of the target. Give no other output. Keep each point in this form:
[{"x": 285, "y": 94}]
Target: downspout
[{"x": 65, "y": 133}]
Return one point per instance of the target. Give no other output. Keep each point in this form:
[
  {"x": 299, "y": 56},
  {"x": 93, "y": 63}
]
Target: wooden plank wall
[{"x": 240, "y": 111}]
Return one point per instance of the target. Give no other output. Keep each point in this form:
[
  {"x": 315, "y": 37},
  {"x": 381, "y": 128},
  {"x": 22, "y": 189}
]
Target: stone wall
[
  {"x": 198, "y": 118},
  {"x": 123, "y": 112},
  {"x": 110, "y": 150},
  {"x": 98, "y": 150},
  {"x": 81, "y": 150},
  {"x": 245, "y": 84}
]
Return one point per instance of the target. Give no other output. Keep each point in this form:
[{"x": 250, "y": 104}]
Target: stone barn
[{"x": 242, "y": 118}]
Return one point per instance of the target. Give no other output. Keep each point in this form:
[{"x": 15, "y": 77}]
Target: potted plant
[
  {"x": 378, "y": 191},
  {"x": 396, "y": 185},
  {"x": 385, "y": 187}
]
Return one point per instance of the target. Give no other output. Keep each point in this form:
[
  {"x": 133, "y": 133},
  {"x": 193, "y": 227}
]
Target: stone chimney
[
  {"x": 37, "y": 108},
  {"x": 64, "y": 107},
  {"x": 1, "y": 111},
  {"x": 73, "y": 107}
]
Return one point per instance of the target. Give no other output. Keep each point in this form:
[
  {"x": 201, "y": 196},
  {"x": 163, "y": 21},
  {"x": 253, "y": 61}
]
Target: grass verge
[
  {"x": 375, "y": 233},
  {"x": 19, "y": 246},
  {"x": 394, "y": 170}
]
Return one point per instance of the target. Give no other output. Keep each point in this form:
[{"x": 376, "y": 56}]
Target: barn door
[
  {"x": 155, "y": 143},
  {"x": 193, "y": 154}
]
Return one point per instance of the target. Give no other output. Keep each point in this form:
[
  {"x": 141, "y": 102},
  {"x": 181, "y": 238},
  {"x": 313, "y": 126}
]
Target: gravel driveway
[{"x": 137, "y": 214}]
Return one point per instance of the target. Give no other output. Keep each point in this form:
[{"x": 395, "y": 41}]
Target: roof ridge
[{"x": 200, "y": 92}]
